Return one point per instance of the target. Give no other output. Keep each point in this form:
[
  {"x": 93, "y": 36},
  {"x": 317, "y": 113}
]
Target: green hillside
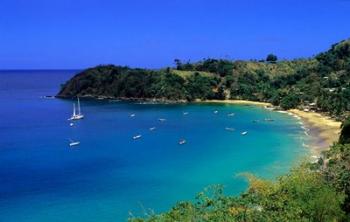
[
  {"x": 311, "y": 192},
  {"x": 321, "y": 83}
]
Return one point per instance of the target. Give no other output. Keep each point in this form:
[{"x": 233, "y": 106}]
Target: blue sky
[{"x": 50, "y": 34}]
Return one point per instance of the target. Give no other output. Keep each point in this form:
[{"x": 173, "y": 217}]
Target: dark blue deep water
[{"x": 109, "y": 174}]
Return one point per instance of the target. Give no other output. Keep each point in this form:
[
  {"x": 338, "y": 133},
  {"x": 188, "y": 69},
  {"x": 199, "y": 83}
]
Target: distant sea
[{"x": 109, "y": 174}]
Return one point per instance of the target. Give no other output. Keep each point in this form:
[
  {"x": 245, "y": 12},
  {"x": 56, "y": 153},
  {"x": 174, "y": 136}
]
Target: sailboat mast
[
  {"x": 78, "y": 107},
  {"x": 73, "y": 109}
]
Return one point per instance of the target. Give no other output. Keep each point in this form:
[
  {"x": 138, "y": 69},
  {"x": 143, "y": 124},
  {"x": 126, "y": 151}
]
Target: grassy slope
[{"x": 186, "y": 74}]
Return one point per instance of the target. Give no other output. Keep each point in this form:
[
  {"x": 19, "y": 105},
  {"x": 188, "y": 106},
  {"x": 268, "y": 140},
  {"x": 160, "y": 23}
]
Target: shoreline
[
  {"x": 236, "y": 101},
  {"x": 322, "y": 130}
]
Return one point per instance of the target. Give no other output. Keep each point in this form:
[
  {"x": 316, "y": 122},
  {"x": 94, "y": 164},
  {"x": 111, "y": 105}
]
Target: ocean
[{"x": 110, "y": 176}]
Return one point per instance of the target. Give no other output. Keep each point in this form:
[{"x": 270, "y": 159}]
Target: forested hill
[{"x": 321, "y": 83}]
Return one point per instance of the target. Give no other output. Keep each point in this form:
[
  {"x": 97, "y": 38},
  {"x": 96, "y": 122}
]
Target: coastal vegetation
[
  {"x": 320, "y": 83},
  {"x": 317, "y": 192}
]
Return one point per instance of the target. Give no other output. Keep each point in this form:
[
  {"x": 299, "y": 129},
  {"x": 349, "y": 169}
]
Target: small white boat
[
  {"x": 76, "y": 116},
  {"x": 162, "y": 120},
  {"x": 230, "y": 114},
  {"x": 185, "y": 113},
  {"x": 152, "y": 128},
  {"x": 216, "y": 112},
  {"x": 48, "y": 97},
  {"x": 244, "y": 133},
  {"x": 73, "y": 143},
  {"x": 132, "y": 115},
  {"x": 229, "y": 129},
  {"x": 182, "y": 142},
  {"x": 137, "y": 137},
  {"x": 71, "y": 124}
]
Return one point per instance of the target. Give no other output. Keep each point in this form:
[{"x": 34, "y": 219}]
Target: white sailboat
[
  {"x": 73, "y": 143},
  {"x": 137, "y": 137},
  {"x": 182, "y": 141},
  {"x": 229, "y": 129},
  {"x": 76, "y": 116}
]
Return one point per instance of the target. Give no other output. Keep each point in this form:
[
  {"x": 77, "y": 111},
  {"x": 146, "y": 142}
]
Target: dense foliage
[
  {"x": 123, "y": 82},
  {"x": 345, "y": 132},
  {"x": 311, "y": 192},
  {"x": 321, "y": 83}
]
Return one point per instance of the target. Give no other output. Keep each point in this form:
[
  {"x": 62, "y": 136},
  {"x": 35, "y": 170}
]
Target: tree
[
  {"x": 199, "y": 87},
  {"x": 290, "y": 101},
  {"x": 337, "y": 172},
  {"x": 271, "y": 58},
  {"x": 178, "y": 64},
  {"x": 301, "y": 195},
  {"x": 345, "y": 132}
]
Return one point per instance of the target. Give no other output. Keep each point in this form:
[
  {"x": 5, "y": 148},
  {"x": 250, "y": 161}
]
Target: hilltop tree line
[
  {"x": 321, "y": 83},
  {"x": 311, "y": 192}
]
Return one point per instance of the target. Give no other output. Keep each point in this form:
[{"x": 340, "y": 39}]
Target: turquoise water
[{"x": 110, "y": 174}]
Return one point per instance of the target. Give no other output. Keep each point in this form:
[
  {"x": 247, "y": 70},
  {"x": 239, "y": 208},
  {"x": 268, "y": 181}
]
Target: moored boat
[
  {"x": 229, "y": 129},
  {"x": 74, "y": 143},
  {"x": 182, "y": 141},
  {"x": 76, "y": 115},
  {"x": 137, "y": 137}
]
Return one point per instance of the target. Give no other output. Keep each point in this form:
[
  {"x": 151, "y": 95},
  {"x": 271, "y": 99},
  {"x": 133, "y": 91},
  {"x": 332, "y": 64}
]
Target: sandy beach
[
  {"x": 322, "y": 130},
  {"x": 244, "y": 102}
]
